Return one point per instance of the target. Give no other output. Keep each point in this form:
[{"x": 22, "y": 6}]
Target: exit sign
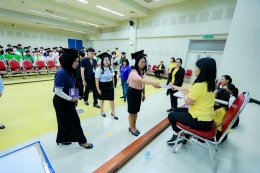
[{"x": 207, "y": 36}]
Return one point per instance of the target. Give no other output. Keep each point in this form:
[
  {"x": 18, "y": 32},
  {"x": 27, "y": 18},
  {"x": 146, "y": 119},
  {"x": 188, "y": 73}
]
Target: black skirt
[
  {"x": 107, "y": 91},
  {"x": 134, "y": 97},
  {"x": 69, "y": 128}
]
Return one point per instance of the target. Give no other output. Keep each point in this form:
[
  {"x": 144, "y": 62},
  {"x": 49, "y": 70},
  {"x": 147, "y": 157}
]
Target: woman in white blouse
[{"x": 104, "y": 77}]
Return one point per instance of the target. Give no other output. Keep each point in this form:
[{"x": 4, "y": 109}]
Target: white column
[{"x": 241, "y": 58}]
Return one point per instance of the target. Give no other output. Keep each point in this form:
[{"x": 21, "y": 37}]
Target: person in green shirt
[
  {"x": 28, "y": 56},
  {"x": 11, "y": 55},
  {"x": 20, "y": 49},
  {"x": 1, "y": 53}
]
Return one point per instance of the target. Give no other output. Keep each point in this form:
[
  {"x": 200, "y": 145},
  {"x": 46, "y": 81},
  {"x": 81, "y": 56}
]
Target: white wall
[
  {"x": 167, "y": 31},
  {"x": 35, "y": 36},
  {"x": 242, "y": 52}
]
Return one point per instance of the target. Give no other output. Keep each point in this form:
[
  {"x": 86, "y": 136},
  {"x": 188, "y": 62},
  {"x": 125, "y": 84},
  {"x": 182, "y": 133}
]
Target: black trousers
[
  {"x": 69, "y": 127},
  {"x": 115, "y": 78},
  {"x": 174, "y": 102},
  {"x": 182, "y": 115},
  {"x": 91, "y": 85},
  {"x": 80, "y": 86},
  {"x": 158, "y": 73}
]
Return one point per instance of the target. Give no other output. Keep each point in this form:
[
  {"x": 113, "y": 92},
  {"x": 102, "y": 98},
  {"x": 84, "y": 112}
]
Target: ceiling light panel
[
  {"x": 108, "y": 10},
  {"x": 47, "y": 14}
]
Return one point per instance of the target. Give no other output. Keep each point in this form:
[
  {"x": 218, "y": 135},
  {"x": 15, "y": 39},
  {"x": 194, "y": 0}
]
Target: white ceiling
[{"x": 16, "y": 11}]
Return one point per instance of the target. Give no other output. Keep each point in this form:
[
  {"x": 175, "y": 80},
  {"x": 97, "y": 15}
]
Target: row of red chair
[{"x": 13, "y": 67}]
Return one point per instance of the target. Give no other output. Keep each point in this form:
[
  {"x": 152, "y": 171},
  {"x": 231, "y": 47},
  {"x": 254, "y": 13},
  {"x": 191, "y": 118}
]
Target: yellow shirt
[
  {"x": 117, "y": 53},
  {"x": 160, "y": 67},
  {"x": 218, "y": 117},
  {"x": 173, "y": 75},
  {"x": 172, "y": 65},
  {"x": 202, "y": 108}
]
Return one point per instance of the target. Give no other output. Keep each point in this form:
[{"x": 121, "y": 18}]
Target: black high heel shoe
[
  {"x": 115, "y": 117},
  {"x": 103, "y": 115},
  {"x": 87, "y": 145},
  {"x": 64, "y": 143},
  {"x": 134, "y": 133}
]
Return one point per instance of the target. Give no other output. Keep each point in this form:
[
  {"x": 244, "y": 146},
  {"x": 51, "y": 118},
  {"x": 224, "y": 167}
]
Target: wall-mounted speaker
[{"x": 131, "y": 23}]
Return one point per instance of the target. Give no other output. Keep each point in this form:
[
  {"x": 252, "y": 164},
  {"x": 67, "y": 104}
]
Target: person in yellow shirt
[
  {"x": 175, "y": 77},
  {"x": 199, "y": 99},
  {"x": 117, "y": 53},
  {"x": 172, "y": 65},
  {"x": 220, "y": 111},
  {"x": 159, "y": 70}
]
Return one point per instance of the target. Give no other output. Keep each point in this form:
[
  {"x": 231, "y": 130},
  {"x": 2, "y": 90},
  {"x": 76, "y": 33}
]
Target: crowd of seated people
[{"x": 21, "y": 54}]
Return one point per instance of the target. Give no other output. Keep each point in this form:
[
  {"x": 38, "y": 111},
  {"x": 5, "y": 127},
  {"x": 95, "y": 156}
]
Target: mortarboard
[
  {"x": 104, "y": 55},
  {"x": 138, "y": 55}
]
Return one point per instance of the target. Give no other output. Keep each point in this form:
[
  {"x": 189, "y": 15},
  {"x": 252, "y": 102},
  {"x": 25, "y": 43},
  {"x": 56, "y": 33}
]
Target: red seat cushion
[{"x": 205, "y": 134}]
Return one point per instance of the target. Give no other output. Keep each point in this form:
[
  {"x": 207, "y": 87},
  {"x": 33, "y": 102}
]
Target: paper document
[
  {"x": 179, "y": 94},
  {"x": 166, "y": 86}
]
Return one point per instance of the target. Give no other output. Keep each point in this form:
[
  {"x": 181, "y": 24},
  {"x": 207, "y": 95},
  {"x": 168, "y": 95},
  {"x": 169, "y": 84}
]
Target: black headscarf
[{"x": 67, "y": 58}]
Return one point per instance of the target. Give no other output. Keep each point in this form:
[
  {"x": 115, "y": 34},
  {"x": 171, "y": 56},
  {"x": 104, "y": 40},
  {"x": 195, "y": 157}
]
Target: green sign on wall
[{"x": 207, "y": 36}]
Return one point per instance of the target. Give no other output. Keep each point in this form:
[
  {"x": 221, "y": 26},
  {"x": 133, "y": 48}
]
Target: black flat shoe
[
  {"x": 133, "y": 133},
  {"x": 103, "y": 115},
  {"x": 170, "y": 110},
  {"x": 2, "y": 126},
  {"x": 122, "y": 97},
  {"x": 138, "y": 131},
  {"x": 87, "y": 145},
  {"x": 115, "y": 117},
  {"x": 96, "y": 105},
  {"x": 64, "y": 143}
]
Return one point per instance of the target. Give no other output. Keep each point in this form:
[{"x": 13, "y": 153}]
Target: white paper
[
  {"x": 165, "y": 86},
  {"x": 179, "y": 94},
  {"x": 27, "y": 160}
]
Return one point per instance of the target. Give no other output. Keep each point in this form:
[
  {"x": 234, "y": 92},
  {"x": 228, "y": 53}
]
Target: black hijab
[{"x": 67, "y": 58}]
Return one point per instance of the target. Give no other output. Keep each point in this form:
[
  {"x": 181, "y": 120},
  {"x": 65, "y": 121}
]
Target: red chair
[
  {"x": 15, "y": 68},
  {"x": 229, "y": 119},
  {"x": 28, "y": 67},
  {"x": 40, "y": 66},
  {"x": 154, "y": 68},
  {"x": 51, "y": 66},
  {"x": 3, "y": 68}
]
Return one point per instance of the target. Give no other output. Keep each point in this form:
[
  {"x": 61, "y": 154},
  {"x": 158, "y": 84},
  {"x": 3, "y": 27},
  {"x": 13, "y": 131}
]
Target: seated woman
[
  {"x": 233, "y": 91},
  {"x": 220, "y": 111},
  {"x": 225, "y": 79},
  {"x": 159, "y": 70},
  {"x": 200, "y": 99}
]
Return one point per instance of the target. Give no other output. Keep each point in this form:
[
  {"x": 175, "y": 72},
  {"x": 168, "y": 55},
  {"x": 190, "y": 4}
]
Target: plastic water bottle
[{"x": 147, "y": 155}]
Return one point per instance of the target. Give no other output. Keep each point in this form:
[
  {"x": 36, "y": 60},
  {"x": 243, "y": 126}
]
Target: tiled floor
[{"x": 240, "y": 153}]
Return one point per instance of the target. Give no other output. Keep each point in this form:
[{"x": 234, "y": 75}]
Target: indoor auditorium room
[{"x": 129, "y": 86}]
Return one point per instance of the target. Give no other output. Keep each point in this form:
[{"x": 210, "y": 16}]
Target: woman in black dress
[{"x": 65, "y": 101}]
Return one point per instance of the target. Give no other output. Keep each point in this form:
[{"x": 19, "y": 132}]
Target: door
[
  {"x": 193, "y": 57},
  {"x": 76, "y": 44}
]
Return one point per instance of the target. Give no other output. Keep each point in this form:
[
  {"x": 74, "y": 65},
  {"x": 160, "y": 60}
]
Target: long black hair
[
  {"x": 140, "y": 73},
  {"x": 232, "y": 88},
  {"x": 208, "y": 72},
  {"x": 102, "y": 65},
  {"x": 227, "y": 77},
  {"x": 224, "y": 95}
]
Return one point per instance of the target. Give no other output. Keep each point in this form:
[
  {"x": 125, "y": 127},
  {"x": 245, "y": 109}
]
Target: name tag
[{"x": 74, "y": 92}]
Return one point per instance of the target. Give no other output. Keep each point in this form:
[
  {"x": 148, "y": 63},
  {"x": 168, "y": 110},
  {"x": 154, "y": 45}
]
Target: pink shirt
[{"x": 133, "y": 82}]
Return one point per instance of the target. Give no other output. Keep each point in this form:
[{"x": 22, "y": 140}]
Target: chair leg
[
  {"x": 216, "y": 143},
  {"x": 176, "y": 144},
  {"x": 211, "y": 158}
]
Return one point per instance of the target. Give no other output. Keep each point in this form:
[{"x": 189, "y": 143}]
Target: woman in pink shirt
[{"x": 136, "y": 90}]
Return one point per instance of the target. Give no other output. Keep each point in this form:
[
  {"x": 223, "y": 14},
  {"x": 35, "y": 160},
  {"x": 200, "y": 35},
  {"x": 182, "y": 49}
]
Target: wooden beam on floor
[{"x": 131, "y": 150}]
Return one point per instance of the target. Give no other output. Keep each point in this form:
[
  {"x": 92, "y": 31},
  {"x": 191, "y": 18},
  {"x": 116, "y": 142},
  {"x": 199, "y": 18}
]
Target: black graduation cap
[
  {"x": 27, "y": 51},
  {"x": 138, "y": 55},
  {"x": 1, "y": 46},
  {"x": 104, "y": 55},
  {"x": 9, "y": 45},
  {"x": 9, "y": 50},
  {"x": 25, "y": 47},
  {"x": 14, "y": 46},
  {"x": 36, "y": 48},
  {"x": 60, "y": 47},
  {"x": 19, "y": 45},
  {"x": 54, "y": 48}
]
